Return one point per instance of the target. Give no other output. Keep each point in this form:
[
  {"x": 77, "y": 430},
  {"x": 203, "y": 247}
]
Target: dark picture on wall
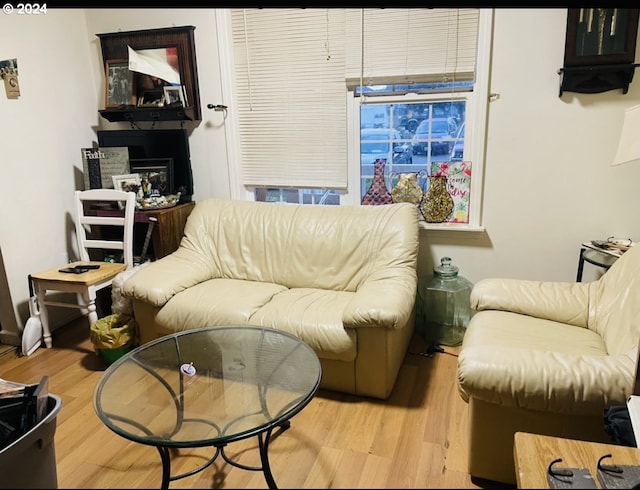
[
  {"x": 156, "y": 175},
  {"x": 151, "y": 98},
  {"x": 119, "y": 84}
]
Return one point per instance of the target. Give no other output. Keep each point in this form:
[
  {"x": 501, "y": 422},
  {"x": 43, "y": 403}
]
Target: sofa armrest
[
  {"x": 382, "y": 303},
  {"x": 161, "y": 280},
  {"x": 565, "y": 302},
  {"x": 545, "y": 381}
]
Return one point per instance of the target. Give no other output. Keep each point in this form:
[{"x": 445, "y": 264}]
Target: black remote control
[{"x": 72, "y": 270}]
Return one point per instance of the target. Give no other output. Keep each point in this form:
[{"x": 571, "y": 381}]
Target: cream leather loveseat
[
  {"x": 341, "y": 278},
  {"x": 547, "y": 358}
]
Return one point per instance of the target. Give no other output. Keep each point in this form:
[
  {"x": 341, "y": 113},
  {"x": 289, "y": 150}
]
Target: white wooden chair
[{"x": 86, "y": 284}]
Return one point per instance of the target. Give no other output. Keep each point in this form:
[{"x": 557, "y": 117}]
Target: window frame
[
  {"x": 473, "y": 151},
  {"x": 353, "y": 112},
  {"x": 475, "y": 122}
]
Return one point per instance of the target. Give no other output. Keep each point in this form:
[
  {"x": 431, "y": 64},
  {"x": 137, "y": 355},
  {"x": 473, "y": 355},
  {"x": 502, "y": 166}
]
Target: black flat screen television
[{"x": 157, "y": 143}]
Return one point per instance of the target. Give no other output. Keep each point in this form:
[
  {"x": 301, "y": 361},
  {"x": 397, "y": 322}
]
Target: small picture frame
[
  {"x": 126, "y": 182},
  {"x": 119, "y": 85},
  {"x": 174, "y": 95},
  {"x": 156, "y": 175}
]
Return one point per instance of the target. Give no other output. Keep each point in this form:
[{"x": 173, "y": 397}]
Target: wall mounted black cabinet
[
  {"x": 600, "y": 49},
  {"x": 137, "y": 96}
]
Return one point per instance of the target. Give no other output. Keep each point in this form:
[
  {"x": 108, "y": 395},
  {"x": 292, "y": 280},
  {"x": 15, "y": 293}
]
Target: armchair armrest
[
  {"x": 564, "y": 302},
  {"x": 545, "y": 381},
  {"x": 158, "y": 282},
  {"x": 384, "y": 302}
]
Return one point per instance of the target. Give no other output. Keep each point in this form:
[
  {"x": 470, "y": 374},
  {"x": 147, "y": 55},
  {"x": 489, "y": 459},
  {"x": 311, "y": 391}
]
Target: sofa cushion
[
  {"x": 215, "y": 302},
  {"x": 315, "y": 316}
]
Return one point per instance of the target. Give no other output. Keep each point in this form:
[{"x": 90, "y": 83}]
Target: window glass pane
[
  {"x": 410, "y": 136},
  {"x": 325, "y": 197}
]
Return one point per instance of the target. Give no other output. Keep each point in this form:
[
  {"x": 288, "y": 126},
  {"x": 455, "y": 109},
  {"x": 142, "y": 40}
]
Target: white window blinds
[
  {"x": 293, "y": 68},
  {"x": 289, "y": 76},
  {"x": 398, "y": 46}
]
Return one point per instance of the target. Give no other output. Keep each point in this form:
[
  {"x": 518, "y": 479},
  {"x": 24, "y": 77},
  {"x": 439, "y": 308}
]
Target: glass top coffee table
[{"x": 208, "y": 387}]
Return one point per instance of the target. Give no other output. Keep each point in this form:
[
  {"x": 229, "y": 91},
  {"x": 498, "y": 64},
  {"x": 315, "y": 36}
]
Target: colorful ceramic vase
[{"x": 378, "y": 192}]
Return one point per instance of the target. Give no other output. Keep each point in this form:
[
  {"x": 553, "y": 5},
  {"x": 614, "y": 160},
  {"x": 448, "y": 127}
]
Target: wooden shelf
[
  {"x": 147, "y": 114},
  {"x": 115, "y": 47},
  {"x": 596, "y": 79}
]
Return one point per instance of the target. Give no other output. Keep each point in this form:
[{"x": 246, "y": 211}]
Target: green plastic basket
[{"x": 112, "y": 355}]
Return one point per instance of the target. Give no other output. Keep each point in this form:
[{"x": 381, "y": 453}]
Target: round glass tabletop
[{"x": 208, "y": 386}]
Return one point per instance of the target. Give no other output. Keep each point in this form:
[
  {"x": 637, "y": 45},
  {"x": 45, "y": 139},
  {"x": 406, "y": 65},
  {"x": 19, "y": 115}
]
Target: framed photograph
[
  {"x": 156, "y": 175},
  {"x": 174, "y": 95},
  {"x": 119, "y": 84},
  {"x": 126, "y": 182},
  {"x": 151, "y": 98}
]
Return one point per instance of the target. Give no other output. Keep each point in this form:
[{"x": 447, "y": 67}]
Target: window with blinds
[{"x": 297, "y": 73}]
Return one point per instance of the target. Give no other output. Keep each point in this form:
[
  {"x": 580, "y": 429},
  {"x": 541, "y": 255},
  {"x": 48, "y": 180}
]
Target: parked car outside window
[
  {"x": 438, "y": 132},
  {"x": 384, "y": 143}
]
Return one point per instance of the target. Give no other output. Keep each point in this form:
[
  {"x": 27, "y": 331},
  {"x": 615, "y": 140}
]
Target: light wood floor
[{"x": 415, "y": 439}]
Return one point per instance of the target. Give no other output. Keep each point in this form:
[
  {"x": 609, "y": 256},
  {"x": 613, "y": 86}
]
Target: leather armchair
[{"x": 547, "y": 358}]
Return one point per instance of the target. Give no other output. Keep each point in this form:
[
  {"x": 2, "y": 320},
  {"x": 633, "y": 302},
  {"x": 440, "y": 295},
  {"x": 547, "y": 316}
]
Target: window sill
[{"x": 423, "y": 225}]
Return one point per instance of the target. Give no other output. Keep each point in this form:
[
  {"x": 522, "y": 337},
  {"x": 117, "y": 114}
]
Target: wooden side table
[
  {"x": 167, "y": 231},
  {"x": 534, "y": 452}
]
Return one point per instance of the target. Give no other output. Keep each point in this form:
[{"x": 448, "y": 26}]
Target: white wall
[
  {"x": 548, "y": 183},
  {"x": 40, "y": 135}
]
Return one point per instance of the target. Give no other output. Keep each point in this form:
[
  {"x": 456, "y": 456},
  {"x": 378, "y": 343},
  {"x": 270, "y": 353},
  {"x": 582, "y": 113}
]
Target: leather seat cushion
[
  {"x": 215, "y": 302},
  {"x": 313, "y": 315},
  {"x": 497, "y": 329},
  {"x": 521, "y": 361}
]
